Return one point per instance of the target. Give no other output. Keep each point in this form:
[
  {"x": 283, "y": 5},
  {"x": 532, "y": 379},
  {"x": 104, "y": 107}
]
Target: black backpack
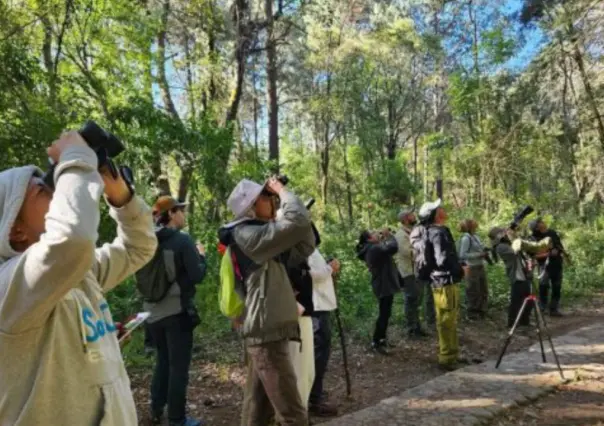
[
  {"x": 424, "y": 262},
  {"x": 154, "y": 280}
]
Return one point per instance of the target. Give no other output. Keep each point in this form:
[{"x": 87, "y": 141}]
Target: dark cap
[
  {"x": 166, "y": 203},
  {"x": 534, "y": 223}
]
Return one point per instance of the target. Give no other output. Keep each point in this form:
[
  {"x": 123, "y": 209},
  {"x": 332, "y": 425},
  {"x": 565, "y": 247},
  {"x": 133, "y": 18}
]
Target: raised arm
[
  {"x": 387, "y": 247},
  {"x": 32, "y": 283},
  {"x": 263, "y": 242},
  {"x": 133, "y": 247}
]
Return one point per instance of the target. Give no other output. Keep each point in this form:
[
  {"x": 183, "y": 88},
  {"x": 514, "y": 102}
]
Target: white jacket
[{"x": 324, "y": 293}]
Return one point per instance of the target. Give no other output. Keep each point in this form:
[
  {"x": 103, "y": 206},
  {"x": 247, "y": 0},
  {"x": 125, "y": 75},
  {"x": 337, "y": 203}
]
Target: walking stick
[
  {"x": 344, "y": 355},
  {"x": 343, "y": 345}
]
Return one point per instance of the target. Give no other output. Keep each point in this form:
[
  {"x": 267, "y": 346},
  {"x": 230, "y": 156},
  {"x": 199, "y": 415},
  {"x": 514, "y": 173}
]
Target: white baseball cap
[{"x": 428, "y": 208}]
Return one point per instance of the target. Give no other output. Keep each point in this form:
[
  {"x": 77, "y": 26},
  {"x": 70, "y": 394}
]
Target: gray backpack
[{"x": 155, "y": 278}]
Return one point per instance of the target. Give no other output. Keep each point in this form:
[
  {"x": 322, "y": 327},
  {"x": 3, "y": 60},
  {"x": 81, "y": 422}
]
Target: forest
[{"x": 367, "y": 106}]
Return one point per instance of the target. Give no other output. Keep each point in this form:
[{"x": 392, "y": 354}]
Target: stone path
[{"x": 475, "y": 394}]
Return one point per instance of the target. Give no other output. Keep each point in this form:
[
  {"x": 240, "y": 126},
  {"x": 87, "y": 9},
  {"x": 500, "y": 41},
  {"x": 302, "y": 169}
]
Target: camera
[
  {"x": 106, "y": 146},
  {"x": 520, "y": 216}
]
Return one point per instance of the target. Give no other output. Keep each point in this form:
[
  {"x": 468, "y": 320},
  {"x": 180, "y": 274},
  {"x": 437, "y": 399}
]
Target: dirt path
[{"x": 215, "y": 391}]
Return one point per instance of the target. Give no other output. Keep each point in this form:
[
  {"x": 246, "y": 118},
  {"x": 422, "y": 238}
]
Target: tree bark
[
  {"x": 271, "y": 84},
  {"x": 591, "y": 99},
  {"x": 348, "y": 179},
  {"x": 164, "y": 87}
]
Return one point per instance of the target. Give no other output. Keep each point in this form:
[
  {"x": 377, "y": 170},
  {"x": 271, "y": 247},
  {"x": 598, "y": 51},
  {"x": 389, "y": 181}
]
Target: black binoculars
[{"x": 106, "y": 146}]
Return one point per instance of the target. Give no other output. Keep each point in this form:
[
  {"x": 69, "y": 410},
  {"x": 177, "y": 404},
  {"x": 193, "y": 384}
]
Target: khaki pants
[
  {"x": 303, "y": 359},
  {"x": 446, "y": 304},
  {"x": 271, "y": 388},
  {"x": 477, "y": 290}
]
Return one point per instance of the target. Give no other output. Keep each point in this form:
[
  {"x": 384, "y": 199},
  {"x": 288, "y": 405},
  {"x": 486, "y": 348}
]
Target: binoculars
[{"x": 106, "y": 146}]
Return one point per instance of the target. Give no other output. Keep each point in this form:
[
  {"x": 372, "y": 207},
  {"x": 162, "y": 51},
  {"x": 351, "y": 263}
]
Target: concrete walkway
[{"x": 475, "y": 394}]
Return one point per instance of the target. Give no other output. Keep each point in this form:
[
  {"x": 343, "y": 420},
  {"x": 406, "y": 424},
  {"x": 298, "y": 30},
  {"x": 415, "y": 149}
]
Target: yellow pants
[{"x": 446, "y": 304}]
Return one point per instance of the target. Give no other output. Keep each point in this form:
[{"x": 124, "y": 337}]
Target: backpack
[
  {"x": 154, "y": 280},
  {"x": 424, "y": 262},
  {"x": 231, "y": 293}
]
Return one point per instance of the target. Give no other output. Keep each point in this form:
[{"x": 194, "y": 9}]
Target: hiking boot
[
  {"x": 188, "y": 422},
  {"x": 448, "y": 367},
  {"x": 556, "y": 313},
  {"x": 157, "y": 418},
  {"x": 380, "y": 347},
  {"x": 323, "y": 409}
]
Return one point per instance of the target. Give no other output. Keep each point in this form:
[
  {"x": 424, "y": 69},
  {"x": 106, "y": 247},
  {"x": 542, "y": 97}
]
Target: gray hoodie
[{"x": 60, "y": 362}]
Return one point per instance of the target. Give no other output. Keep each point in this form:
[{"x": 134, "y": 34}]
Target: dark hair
[
  {"x": 363, "y": 238},
  {"x": 164, "y": 218}
]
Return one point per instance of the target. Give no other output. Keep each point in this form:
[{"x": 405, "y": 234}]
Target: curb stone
[{"x": 474, "y": 395}]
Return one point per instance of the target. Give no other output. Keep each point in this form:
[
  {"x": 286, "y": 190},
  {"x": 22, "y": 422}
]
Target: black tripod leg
[
  {"x": 511, "y": 333},
  {"x": 551, "y": 343},
  {"x": 539, "y": 333}
]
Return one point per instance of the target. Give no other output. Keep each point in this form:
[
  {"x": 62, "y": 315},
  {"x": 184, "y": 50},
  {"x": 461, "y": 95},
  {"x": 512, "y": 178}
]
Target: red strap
[{"x": 236, "y": 266}]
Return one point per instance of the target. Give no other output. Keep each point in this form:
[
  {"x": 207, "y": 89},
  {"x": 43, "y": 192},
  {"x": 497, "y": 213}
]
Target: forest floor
[{"x": 216, "y": 389}]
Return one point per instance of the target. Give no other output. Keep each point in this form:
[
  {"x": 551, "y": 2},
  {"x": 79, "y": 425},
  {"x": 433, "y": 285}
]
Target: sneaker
[
  {"x": 188, "y": 422},
  {"x": 323, "y": 409}
]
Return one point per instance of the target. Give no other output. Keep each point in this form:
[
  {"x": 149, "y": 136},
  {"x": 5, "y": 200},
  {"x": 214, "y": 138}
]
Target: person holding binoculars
[
  {"x": 264, "y": 245},
  {"x": 60, "y": 361}
]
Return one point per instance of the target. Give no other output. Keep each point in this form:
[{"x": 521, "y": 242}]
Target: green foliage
[{"x": 375, "y": 104}]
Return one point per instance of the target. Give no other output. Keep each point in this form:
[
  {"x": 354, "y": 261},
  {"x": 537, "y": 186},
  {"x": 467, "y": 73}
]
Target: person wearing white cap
[
  {"x": 60, "y": 362},
  {"x": 445, "y": 279},
  {"x": 271, "y": 311}
]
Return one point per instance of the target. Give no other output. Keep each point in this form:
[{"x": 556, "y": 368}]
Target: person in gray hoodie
[
  {"x": 60, "y": 362},
  {"x": 263, "y": 244}
]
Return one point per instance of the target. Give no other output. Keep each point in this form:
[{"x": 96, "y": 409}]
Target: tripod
[{"x": 541, "y": 328}]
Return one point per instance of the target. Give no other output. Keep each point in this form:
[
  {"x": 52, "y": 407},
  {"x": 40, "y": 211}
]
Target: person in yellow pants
[
  {"x": 446, "y": 304},
  {"x": 445, "y": 277}
]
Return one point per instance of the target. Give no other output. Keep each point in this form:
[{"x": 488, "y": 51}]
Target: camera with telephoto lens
[
  {"x": 520, "y": 216},
  {"x": 106, "y": 146}
]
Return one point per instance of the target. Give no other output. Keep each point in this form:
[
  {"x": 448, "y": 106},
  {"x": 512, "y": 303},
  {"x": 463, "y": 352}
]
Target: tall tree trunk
[
  {"x": 164, "y": 87},
  {"x": 348, "y": 179},
  {"x": 241, "y": 52},
  {"x": 391, "y": 144},
  {"x": 189, "y": 66},
  {"x": 271, "y": 84},
  {"x": 591, "y": 98},
  {"x": 256, "y": 106},
  {"x": 426, "y": 152}
]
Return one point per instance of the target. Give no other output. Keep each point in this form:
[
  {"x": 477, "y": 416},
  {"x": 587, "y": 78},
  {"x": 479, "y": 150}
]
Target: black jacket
[
  {"x": 553, "y": 264},
  {"x": 379, "y": 260},
  {"x": 448, "y": 268},
  {"x": 189, "y": 264}
]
